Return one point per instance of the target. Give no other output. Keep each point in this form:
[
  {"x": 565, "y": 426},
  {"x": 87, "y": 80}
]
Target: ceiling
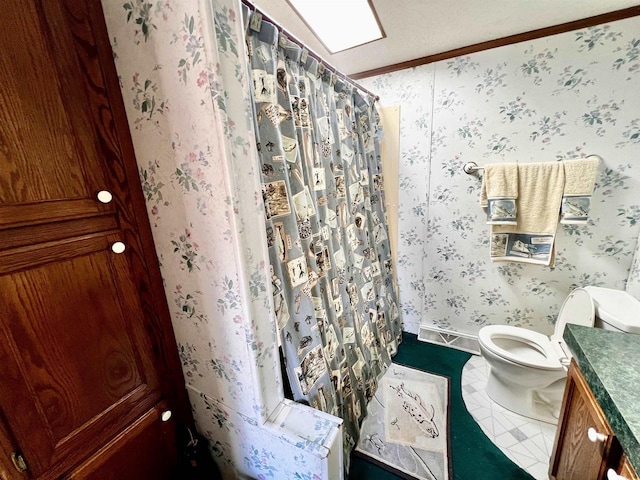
[{"x": 418, "y": 28}]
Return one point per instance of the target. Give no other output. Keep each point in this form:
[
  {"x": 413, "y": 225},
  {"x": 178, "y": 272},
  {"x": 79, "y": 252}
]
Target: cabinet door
[
  {"x": 574, "y": 456},
  {"x": 135, "y": 454},
  {"x": 80, "y": 359}
]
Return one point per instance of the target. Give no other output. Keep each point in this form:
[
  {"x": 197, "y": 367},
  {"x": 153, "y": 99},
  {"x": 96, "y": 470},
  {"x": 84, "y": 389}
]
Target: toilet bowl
[{"x": 528, "y": 369}]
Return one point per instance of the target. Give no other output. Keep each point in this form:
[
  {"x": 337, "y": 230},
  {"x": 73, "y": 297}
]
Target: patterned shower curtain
[{"x": 331, "y": 268}]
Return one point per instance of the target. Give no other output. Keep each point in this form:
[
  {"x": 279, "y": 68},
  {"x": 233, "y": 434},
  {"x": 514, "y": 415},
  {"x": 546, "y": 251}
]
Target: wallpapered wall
[
  {"x": 186, "y": 98},
  {"x": 185, "y": 88},
  {"x": 566, "y": 96},
  {"x": 633, "y": 283}
]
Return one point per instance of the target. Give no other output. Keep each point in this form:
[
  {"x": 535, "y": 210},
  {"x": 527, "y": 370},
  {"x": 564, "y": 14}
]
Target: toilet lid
[{"x": 578, "y": 308}]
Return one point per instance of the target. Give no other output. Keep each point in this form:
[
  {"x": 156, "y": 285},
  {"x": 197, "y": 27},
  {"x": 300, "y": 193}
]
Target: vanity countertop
[{"x": 610, "y": 363}]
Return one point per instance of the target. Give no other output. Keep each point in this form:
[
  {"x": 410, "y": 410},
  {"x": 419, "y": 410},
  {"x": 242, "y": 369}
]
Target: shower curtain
[{"x": 331, "y": 268}]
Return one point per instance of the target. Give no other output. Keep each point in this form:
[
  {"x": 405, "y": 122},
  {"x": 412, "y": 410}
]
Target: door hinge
[{"x": 19, "y": 462}]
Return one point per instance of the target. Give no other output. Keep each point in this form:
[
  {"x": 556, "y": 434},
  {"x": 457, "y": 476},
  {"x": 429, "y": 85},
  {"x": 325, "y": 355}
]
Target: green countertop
[{"x": 610, "y": 363}]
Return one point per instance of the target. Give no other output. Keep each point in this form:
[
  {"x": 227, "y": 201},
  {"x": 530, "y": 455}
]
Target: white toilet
[{"x": 528, "y": 369}]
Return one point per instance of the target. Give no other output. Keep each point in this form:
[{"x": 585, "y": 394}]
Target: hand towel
[
  {"x": 579, "y": 179},
  {"x": 540, "y": 189},
  {"x": 499, "y": 192}
]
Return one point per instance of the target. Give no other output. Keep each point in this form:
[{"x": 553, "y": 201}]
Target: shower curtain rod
[{"x": 295, "y": 40}]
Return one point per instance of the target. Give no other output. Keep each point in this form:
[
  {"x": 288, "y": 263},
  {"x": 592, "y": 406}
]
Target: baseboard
[{"x": 457, "y": 340}]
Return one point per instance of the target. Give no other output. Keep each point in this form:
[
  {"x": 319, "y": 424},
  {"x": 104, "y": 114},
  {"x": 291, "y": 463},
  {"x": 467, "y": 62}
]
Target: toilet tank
[{"x": 615, "y": 310}]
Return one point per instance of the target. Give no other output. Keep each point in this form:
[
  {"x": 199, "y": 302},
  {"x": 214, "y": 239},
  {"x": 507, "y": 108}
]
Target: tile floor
[{"x": 528, "y": 443}]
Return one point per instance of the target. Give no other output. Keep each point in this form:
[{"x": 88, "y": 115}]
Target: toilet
[{"x": 528, "y": 369}]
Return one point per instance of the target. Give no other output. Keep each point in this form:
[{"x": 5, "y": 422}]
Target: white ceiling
[{"x": 417, "y": 28}]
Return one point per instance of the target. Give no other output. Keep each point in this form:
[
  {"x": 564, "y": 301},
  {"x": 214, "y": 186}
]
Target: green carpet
[{"x": 474, "y": 456}]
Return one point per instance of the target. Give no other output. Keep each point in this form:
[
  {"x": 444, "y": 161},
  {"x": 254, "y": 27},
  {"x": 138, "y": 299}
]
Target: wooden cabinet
[
  {"x": 88, "y": 361},
  {"x": 578, "y": 454}
]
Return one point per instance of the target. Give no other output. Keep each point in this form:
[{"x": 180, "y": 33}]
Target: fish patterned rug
[{"x": 406, "y": 427}]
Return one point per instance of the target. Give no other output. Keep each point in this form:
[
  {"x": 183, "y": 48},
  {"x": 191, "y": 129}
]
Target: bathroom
[{"x": 545, "y": 99}]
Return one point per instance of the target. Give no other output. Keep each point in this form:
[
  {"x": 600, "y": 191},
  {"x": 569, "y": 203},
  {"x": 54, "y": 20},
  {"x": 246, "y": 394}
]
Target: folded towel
[
  {"x": 499, "y": 192},
  {"x": 579, "y": 179},
  {"x": 540, "y": 189}
]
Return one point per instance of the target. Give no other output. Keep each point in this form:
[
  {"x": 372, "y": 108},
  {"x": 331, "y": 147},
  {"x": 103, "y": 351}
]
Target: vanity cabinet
[{"x": 585, "y": 446}]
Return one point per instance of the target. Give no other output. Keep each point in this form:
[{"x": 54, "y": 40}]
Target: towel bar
[{"x": 472, "y": 167}]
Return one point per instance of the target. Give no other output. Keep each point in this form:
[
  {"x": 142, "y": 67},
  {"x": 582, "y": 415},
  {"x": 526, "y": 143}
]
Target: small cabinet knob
[
  {"x": 104, "y": 196},
  {"x": 118, "y": 247},
  {"x": 166, "y": 415},
  {"x": 594, "y": 436},
  {"x": 612, "y": 475}
]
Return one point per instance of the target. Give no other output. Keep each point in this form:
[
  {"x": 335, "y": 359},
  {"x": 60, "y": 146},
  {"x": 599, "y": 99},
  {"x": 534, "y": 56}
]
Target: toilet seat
[
  {"x": 535, "y": 350},
  {"x": 532, "y": 349}
]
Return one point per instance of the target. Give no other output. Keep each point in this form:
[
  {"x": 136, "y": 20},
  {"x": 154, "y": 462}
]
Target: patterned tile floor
[{"x": 528, "y": 443}]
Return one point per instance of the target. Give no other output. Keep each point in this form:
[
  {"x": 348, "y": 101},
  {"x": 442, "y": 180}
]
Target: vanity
[{"x": 598, "y": 434}]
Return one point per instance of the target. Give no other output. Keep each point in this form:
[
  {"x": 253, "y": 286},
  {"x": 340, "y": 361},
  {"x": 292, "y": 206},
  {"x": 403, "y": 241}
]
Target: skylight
[{"x": 340, "y": 24}]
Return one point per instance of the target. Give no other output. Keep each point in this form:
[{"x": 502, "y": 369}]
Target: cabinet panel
[
  {"x": 74, "y": 360},
  {"x": 144, "y": 451},
  {"x": 575, "y": 456},
  {"x": 43, "y": 153}
]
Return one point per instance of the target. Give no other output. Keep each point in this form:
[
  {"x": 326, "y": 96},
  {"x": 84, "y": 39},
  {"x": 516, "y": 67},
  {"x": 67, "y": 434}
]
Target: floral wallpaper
[
  {"x": 183, "y": 76},
  {"x": 633, "y": 283},
  {"x": 183, "y": 80},
  {"x": 566, "y": 96}
]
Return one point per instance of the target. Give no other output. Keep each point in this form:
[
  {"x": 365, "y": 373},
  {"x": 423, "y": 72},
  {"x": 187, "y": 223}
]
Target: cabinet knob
[
  {"x": 104, "y": 196},
  {"x": 612, "y": 475},
  {"x": 166, "y": 415},
  {"x": 595, "y": 436},
  {"x": 118, "y": 247}
]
